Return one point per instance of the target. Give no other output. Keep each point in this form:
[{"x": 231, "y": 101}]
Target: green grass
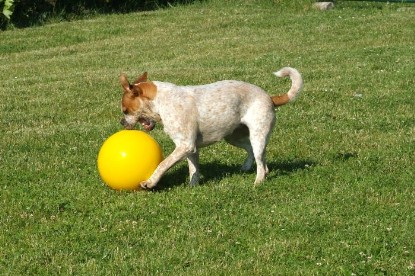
[{"x": 340, "y": 196}]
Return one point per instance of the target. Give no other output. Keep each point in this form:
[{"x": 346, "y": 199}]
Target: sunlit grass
[{"x": 339, "y": 198}]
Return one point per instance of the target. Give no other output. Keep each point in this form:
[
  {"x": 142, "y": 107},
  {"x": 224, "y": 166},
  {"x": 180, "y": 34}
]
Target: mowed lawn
[{"x": 340, "y": 196}]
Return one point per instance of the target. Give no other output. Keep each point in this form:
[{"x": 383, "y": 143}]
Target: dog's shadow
[{"x": 214, "y": 171}]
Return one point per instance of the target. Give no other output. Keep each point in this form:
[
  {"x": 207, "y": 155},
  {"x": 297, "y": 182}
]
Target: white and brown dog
[{"x": 196, "y": 116}]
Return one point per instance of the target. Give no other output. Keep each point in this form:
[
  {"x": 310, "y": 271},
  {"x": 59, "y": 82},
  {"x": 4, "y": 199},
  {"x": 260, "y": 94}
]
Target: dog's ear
[
  {"x": 142, "y": 78},
  {"x": 124, "y": 83},
  {"x": 146, "y": 89}
]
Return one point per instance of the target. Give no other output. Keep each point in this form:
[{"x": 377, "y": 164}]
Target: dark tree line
[{"x": 23, "y": 13}]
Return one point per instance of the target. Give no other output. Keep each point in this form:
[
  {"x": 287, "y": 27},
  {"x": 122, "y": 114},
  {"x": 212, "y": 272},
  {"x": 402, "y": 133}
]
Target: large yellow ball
[{"x": 127, "y": 158}]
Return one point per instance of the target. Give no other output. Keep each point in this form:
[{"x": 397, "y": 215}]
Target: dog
[{"x": 241, "y": 113}]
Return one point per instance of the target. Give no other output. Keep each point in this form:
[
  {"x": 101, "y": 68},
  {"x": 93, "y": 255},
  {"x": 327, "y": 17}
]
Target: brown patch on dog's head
[
  {"x": 135, "y": 102},
  {"x": 142, "y": 87},
  {"x": 146, "y": 89}
]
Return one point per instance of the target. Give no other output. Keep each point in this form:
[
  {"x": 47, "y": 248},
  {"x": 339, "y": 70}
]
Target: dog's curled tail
[{"x": 296, "y": 86}]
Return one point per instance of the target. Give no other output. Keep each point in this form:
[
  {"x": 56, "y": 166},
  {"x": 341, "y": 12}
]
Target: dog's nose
[{"x": 123, "y": 122}]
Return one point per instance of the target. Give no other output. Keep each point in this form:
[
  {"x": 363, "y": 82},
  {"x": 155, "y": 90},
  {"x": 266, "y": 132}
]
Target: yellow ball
[{"x": 127, "y": 158}]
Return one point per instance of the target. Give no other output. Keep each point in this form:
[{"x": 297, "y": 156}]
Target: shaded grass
[{"x": 339, "y": 198}]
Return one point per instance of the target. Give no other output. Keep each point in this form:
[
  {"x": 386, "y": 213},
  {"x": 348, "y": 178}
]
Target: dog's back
[{"x": 219, "y": 108}]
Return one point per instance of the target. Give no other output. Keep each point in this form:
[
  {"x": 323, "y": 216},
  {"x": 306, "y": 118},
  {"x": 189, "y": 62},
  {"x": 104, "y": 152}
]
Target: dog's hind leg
[
  {"x": 240, "y": 138},
  {"x": 249, "y": 161},
  {"x": 259, "y": 155},
  {"x": 259, "y": 139},
  {"x": 258, "y": 135},
  {"x": 193, "y": 162}
]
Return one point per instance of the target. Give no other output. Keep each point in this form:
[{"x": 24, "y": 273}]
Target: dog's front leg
[
  {"x": 178, "y": 154},
  {"x": 193, "y": 162}
]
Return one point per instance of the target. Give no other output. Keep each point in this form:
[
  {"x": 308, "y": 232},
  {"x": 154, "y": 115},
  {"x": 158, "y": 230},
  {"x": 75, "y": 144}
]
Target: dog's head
[{"x": 137, "y": 104}]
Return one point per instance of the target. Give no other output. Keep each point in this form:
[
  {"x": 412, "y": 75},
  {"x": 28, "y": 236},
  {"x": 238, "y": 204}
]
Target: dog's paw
[{"x": 147, "y": 185}]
